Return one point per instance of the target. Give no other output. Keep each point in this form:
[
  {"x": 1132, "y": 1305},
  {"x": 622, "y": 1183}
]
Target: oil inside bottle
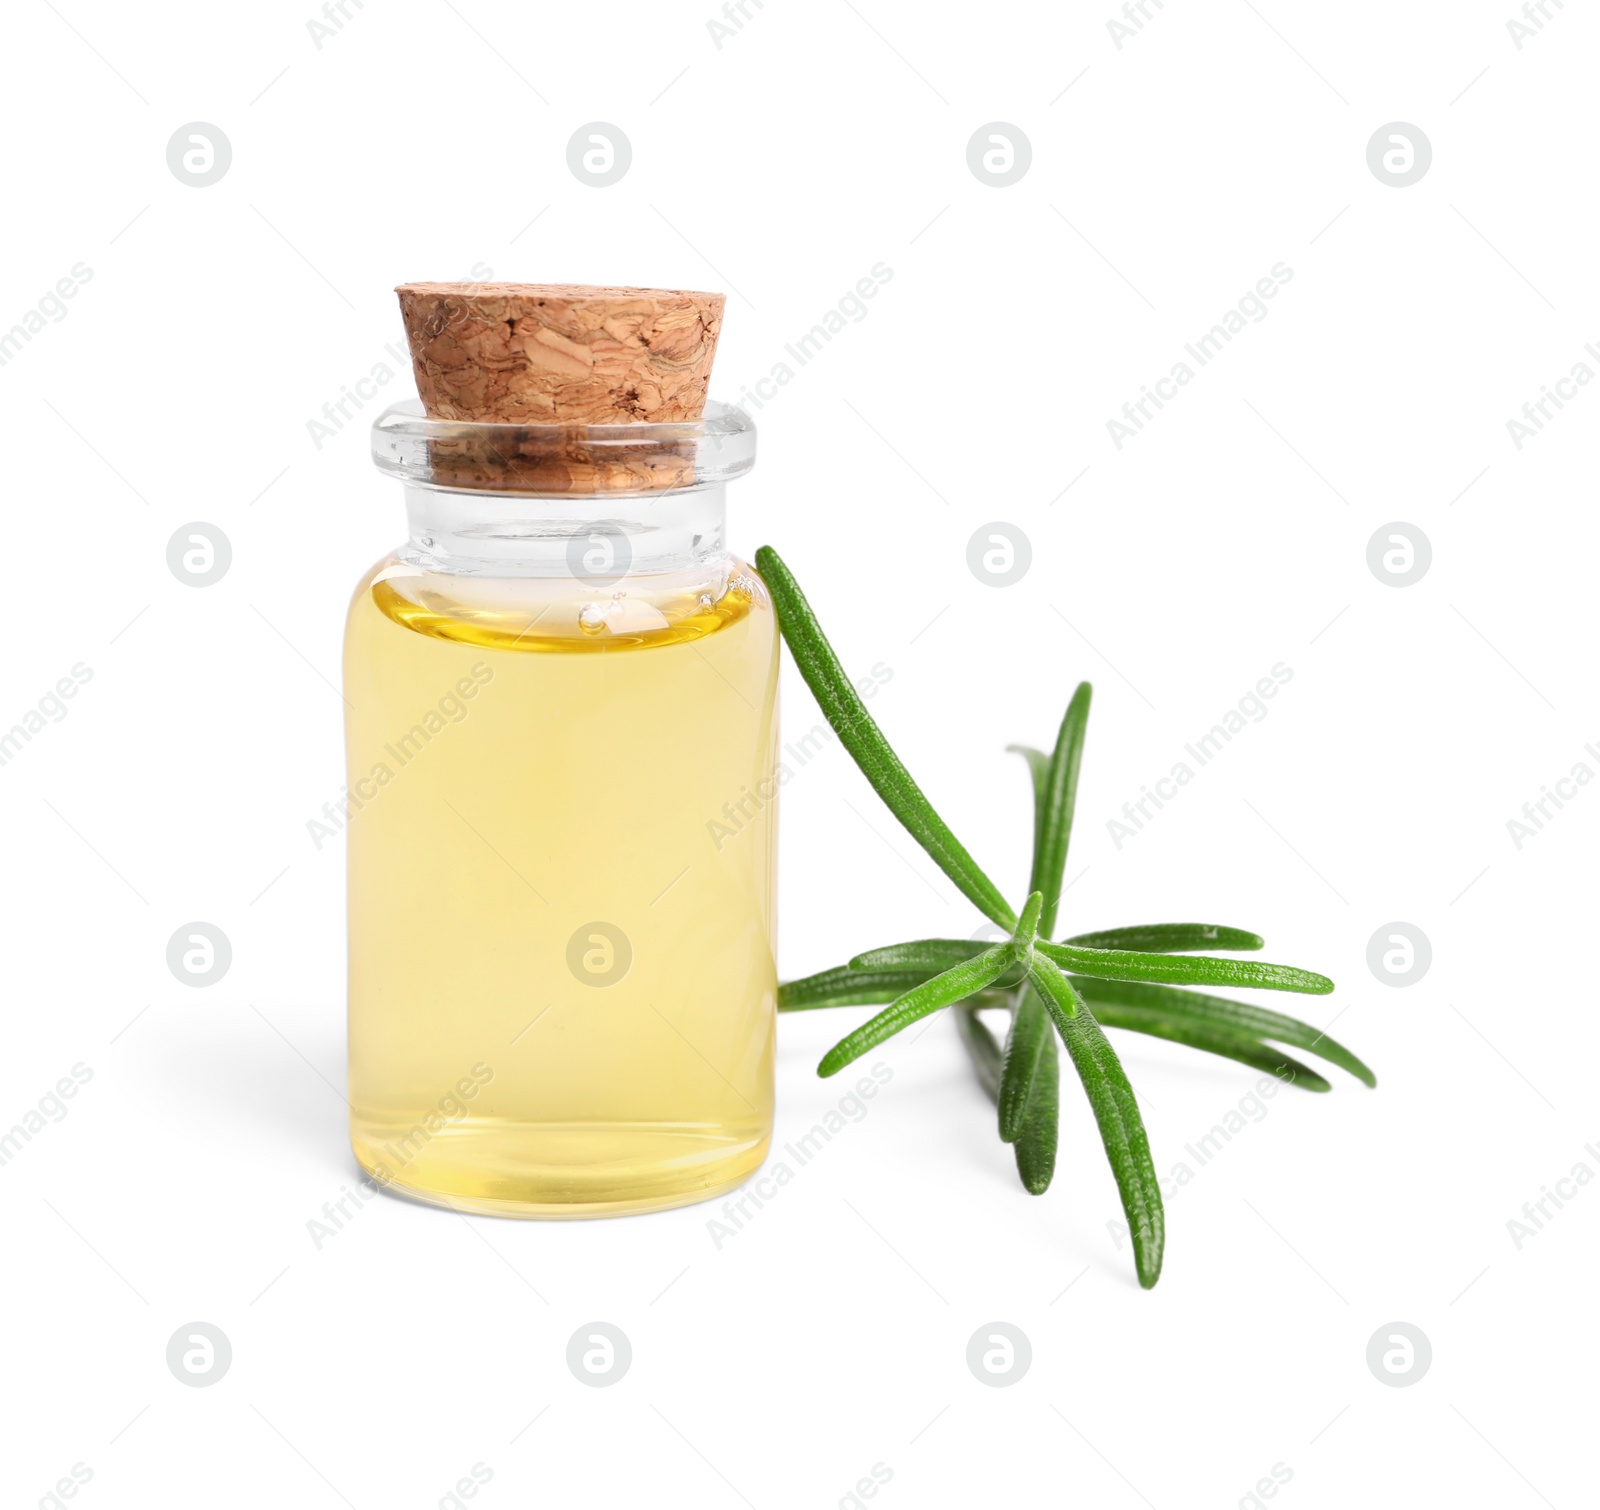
[{"x": 562, "y": 984}]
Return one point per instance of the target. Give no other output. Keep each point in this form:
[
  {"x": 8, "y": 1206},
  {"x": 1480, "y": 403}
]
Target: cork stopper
[
  {"x": 553, "y": 353},
  {"x": 537, "y": 354}
]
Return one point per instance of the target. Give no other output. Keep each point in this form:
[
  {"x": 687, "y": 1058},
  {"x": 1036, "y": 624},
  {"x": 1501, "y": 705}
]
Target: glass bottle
[{"x": 561, "y": 738}]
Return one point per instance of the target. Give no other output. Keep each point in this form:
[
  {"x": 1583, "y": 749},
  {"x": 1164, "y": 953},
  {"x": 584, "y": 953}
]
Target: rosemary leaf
[
  {"x": 969, "y": 976},
  {"x": 861, "y": 736},
  {"x": 1038, "y": 769},
  {"x": 1168, "y": 938},
  {"x": 1036, "y": 1147},
  {"x": 1053, "y": 826},
  {"x": 844, "y": 987},
  {"x": 1219, "y": 1011},
  {"x": 1115, "y": 1111},
  {"x": 982, "y": 1050},
  {"x": 1030, "y": 1032},
  {"x": 1028, "y": 923},
  {"x": 1192, "y": 970},
  {"x": 1039, "y": 773},
  {"x": 937, "y": 954},
  {"x": 1214, "y": 1040}
]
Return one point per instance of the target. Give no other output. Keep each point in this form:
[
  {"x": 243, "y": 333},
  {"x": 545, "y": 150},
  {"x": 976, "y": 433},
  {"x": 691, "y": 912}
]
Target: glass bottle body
[{"x": 562, "y": 981}]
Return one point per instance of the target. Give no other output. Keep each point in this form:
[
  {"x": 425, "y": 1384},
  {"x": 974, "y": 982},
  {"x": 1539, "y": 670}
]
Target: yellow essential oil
[{"x": 561, "y": 857}]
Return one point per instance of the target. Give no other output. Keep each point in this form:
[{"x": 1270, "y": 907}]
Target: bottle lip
[{"x": 561, "y": 460}]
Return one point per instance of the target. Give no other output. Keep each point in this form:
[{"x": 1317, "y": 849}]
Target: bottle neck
[{"x": 588, "y": 537}]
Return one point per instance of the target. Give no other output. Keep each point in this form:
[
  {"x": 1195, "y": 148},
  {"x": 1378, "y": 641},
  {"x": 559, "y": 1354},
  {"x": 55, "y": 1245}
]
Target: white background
[{"x": 426, "y": 139}]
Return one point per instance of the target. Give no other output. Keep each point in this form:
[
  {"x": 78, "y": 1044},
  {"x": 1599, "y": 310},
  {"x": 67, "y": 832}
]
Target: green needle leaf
[
  {"x": 1195, "y": 970},
  {"x": 983, "y": 1051},
  {"x": 1036, "y": 1148},
  {"x": 1039, "y": 771},
  {"x": 933, "y": 955},
  {"x": 1115, "y": 1111},
  {"x": 967, "y": 977},
  {"x": 1219, "y": 1012},
  {"x": 1038, "y": 768},
  {"x": 844, "y": 987},
  {"x": 1028, "y": 923},
  {"x": 1030, "y": 1033},
  {"x": 861, "y": 736},
  {"x": 1169, "y": 938},
  {"x": 936, "y": 954},
  {"x": 1214, "y": 1040},
  {"x": 1053, "y": 827}
]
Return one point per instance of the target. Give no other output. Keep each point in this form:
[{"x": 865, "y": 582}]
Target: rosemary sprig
[{"x": 1134, "y": 978}]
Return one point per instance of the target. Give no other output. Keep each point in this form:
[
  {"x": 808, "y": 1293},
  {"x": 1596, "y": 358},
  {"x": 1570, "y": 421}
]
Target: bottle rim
[{"x": 560, "y": 460}]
